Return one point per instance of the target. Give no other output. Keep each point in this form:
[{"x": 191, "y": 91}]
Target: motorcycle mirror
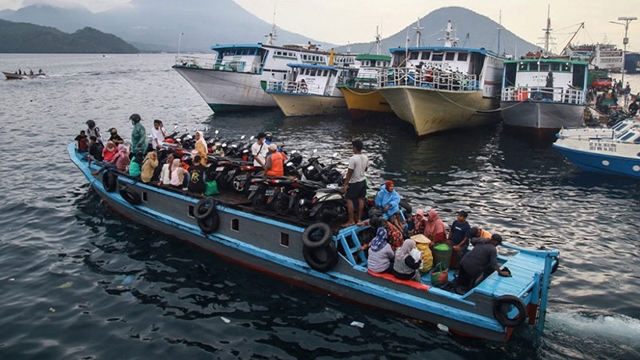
[
  {"x": 189, "y": 137},
  {"x": 314, "y": 151},
  {"x": 217, "y": 131},
  {"x": 294, "y": 151},
  {"x": 252, "y": 137},
  {"x": 289, "y": 163},
  {"x": 224, "y": 144},
  {"x": 175, "y": 127},
  {"x": 242, "y": 137}
]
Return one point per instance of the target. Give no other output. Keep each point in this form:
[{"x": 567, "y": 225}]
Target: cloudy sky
[{"x": 352, "y": 21}]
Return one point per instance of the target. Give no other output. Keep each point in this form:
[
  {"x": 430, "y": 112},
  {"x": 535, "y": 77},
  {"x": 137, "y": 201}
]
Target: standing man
[
  {"x": 355, "y": 184},
  {"x": 459, "y": 236},
  {"x": 259, "y": 151},
  {"x": 138, "y": 135},
  {"x": 93, "y": 130},
  {"x": 157, "y": 135}
]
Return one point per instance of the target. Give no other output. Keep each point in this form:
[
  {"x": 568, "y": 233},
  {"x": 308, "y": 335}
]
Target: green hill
[{"x": 29, "y": 38}]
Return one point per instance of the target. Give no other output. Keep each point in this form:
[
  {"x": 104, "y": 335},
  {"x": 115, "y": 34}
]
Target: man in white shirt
[
  {"x": 157, "y": 135},
  {"x": 259, "y": 151},
  {"x": 355, "y": 183}
]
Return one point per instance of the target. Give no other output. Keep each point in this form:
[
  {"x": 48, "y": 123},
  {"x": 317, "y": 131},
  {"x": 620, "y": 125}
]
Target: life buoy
[
  {"x": 502, "y": 307},
  {"x": 130, "y": 196},
  {"x": 321, "y": 259},
  {"x": 109, "y": 181},
  {"x": 204, "y": 208},
  {"x": 316, "y": 235},
  {"x": 207, "y": 216}
]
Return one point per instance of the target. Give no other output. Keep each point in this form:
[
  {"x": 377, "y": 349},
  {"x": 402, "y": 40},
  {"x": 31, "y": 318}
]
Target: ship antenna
[
  {"x": 418, "y": 32},
  {"x": 378, "y": 41},
  {"x": 273, "y": 35},
  {"x": 499, "y": 30}
]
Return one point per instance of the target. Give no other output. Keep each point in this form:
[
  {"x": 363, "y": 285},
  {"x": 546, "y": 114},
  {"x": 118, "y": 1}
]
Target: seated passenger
[
  {"x": 417, "y": 223},
  {"x": 109, "y": 151},
  {"x": 481, "y": 261},
  {"x": 179, "y": 176},
  {"x": 95, "y": 149},
  {"x": 83, "y": 141},
  {"x": 435, "y": 230},
  {"x": 405, "y": 266},
  {"x": 196, "y": 176},
  {"x": 165, "y": 174},
  {"x": 476, "y": 232},
  {"x": 389, "y": 200},
  {"x": 381, "y": 256},
  {"x": 149, "y": 165},
  {"x": 135, "y": 165},
  {"x": 119, "y": 161},
  {"x": 394, "y": 234}
]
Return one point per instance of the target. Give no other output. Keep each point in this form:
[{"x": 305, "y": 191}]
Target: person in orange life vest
[{"x": 275, "y": 162}]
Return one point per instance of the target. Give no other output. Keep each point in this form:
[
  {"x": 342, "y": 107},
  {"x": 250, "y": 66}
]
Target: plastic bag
[
  {"x": 439, "y": 276},
  {"x": 211, "y": 188}
]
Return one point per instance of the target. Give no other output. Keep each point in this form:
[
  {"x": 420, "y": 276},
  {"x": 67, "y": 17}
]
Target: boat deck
[{"x": 523, "y": 269}]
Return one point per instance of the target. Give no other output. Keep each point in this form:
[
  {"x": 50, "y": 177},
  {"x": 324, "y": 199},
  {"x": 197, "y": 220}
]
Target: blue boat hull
[{"x": 601, "y": 163}]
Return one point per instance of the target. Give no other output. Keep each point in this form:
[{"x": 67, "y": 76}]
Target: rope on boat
[{"x": 478, "y": 110}]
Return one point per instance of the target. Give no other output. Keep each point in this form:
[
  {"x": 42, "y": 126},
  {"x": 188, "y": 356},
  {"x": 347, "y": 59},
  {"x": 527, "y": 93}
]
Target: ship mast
[
  {"x": 449, "y": 39},
  {"x": 272, "y": 36},
  {"x": 547, "y": 31},
  {"x": 418, "y": 32},
  {"x": 378, "y": 42}
]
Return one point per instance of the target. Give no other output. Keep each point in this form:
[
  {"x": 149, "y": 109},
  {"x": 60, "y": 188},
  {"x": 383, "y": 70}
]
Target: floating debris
[
  {"x": 66, "y": 285},
  {"x": 225, "y": 319},
  {"x": 52, "y": 310},
  {"x": 357, "y": 324},
  {"x": 443, "y": 327}
]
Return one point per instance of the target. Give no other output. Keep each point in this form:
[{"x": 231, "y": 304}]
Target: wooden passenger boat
[{"x": 332, "y": 261}]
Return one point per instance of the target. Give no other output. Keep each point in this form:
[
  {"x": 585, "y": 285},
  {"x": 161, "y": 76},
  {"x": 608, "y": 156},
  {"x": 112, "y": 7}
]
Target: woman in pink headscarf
[
  {"x": 119, "y": 161},
  {"x": 435, "y": 230}
]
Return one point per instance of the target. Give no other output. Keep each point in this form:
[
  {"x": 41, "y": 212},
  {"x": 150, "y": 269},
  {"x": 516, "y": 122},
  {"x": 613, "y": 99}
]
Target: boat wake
[{"x": 621, "y": 328}]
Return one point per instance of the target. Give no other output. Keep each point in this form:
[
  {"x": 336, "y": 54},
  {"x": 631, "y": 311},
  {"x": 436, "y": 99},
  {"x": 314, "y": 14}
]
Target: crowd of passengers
[
  {"x": 142, "y": 158},
  {"x": 402, "y": 248}
]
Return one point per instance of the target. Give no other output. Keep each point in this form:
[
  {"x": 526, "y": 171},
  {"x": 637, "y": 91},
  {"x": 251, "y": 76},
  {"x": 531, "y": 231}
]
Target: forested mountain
[
  {"x": 29, "y": 38},
  {"x": 156, "y": 25}
]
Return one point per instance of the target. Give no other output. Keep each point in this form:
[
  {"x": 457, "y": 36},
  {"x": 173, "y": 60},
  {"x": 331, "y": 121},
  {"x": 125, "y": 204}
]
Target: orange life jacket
[{"x": 277, "y": 165}]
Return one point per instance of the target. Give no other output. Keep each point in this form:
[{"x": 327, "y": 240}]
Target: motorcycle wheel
[
  {"x": 280, "y": 204},
  {"x": 259, "y": 201},
  {"x": 332, "y": 212},
  {"x": 239, "y": 185}
]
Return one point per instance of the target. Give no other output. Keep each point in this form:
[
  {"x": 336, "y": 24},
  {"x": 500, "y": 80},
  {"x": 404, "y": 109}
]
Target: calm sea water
[{"x": 78, "y": 281}]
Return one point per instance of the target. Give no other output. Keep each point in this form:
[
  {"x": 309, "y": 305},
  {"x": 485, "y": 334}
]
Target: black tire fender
[
  {"x": 502, "y": 306},
  {"x": 321, "y": 259},
  {"x": 210, "y": 224},
  {"x": 316, "y": 235},
  {"x": 204, "y": 208},
  {"x": 130, "y": 196},
  {"x": 109, "y": 181}
]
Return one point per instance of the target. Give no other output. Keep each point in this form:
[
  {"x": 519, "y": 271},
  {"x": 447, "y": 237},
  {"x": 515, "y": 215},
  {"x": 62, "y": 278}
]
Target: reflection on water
[{"x": 73, "y": 268}]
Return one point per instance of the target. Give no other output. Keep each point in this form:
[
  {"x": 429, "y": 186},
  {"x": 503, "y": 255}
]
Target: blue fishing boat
[
  {"x": 613, "y": 151},
  {"x": 330, "y": 259}
]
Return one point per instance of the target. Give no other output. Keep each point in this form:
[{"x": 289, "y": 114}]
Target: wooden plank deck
[{"x": 523, "y": 269}]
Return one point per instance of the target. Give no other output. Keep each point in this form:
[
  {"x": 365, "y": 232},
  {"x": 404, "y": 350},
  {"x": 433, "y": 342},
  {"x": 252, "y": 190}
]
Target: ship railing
[
  {"x": 189, "y": 61},
  {"x": 544, "y": 94},
  {"x": 428, "y": 79},
  {"x": 360, "y": 82},
  {"x": 292, "y": 87}
]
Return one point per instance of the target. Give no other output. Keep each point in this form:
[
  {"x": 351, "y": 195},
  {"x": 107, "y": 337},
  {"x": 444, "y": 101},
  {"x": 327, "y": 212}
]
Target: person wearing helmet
[
  {"x": 117, "y": 139},
  {"x": 93, "y": 130},
  {"x": 138, "y": 135}
]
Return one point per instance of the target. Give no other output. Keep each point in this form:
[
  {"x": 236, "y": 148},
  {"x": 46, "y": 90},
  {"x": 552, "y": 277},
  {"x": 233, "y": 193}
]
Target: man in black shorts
[{"x": 355, "y": 184}]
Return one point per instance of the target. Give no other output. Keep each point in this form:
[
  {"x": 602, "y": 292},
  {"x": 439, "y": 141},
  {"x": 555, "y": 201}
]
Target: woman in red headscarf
[{"x": 389, "y": 200}]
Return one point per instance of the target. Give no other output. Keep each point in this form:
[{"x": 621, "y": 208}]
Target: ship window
[
  {"x": 628, "y": 136},
  {"x": 450, "y": 56},
  {"x": 284, "y": 239},
  {"x": 425, "y": 55},
  {"x": 235, "y": 224},
  {"x": 437, "y": 57},
  {"x": 533, "y": 66},
  {"x": 191, "y": 211},
  {"x": 144, "y": 196},
  {"x": 555, "y": 67},
  {"x": 544, "y": 67},
  {"x": 462, "y": 56},
  {"x": 413, "y": 56}
]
